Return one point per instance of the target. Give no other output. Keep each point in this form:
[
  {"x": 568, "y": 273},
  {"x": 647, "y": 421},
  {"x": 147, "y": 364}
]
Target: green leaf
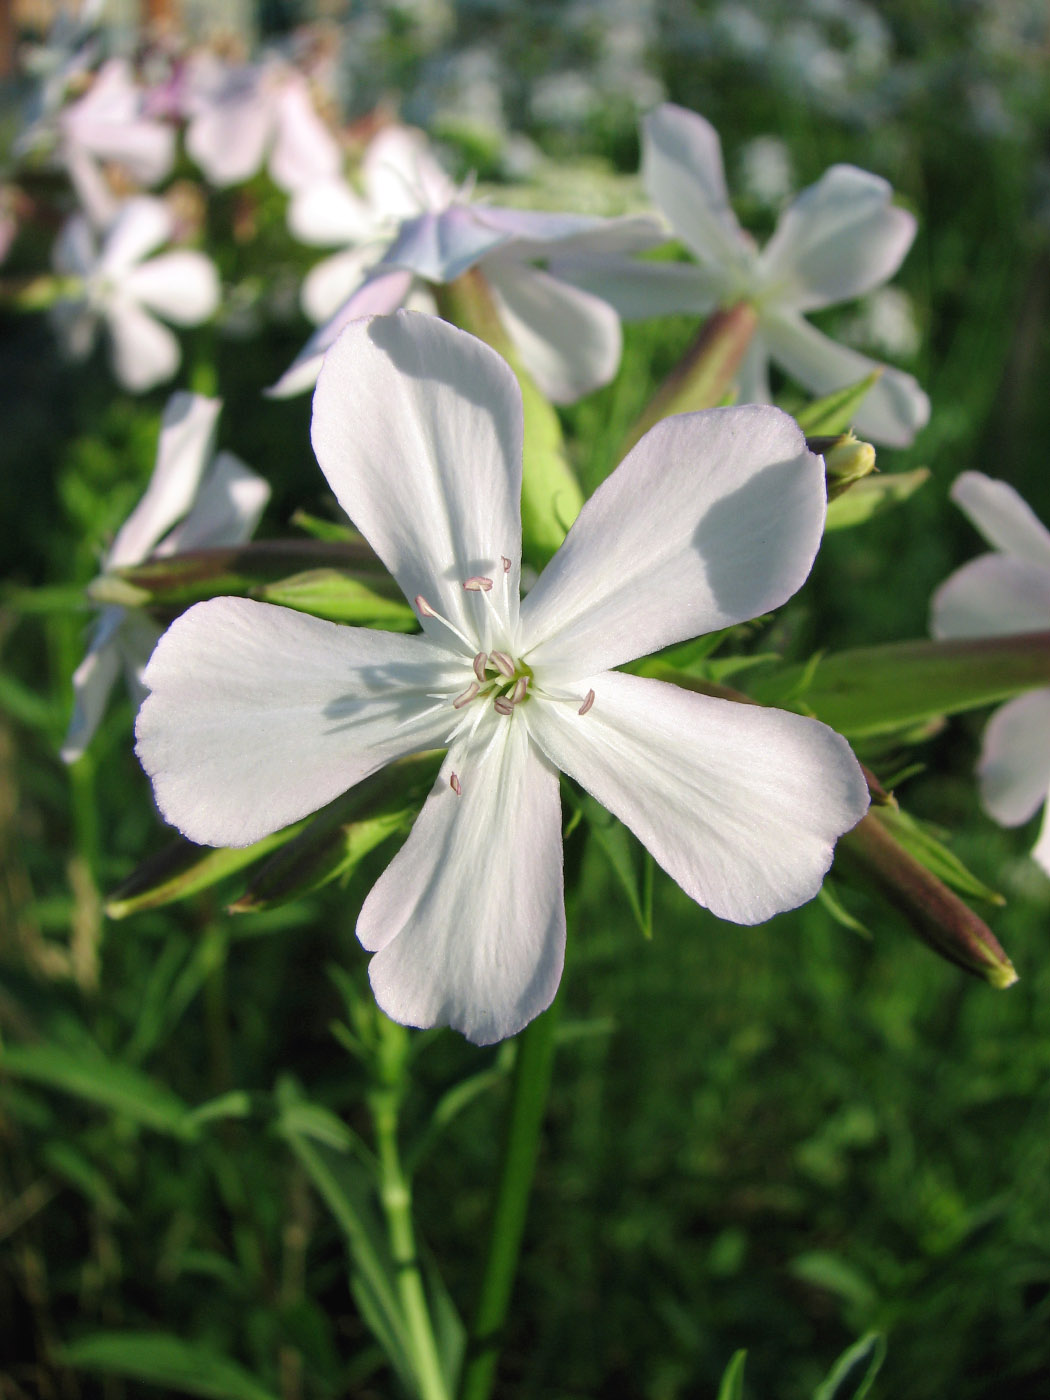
[
  {"x": 337, "y": 595},
  {"x": 621, "y": 850},
  {"x": 90, "y": 1076},
  {"x": 158, "y": 1358},
  {"x": 875, "y": 690},
  {"x": 853, "y": 1374},
  {"x": 732, "y": 1386},
  {"x": 831, "y": 902},
  {"x": 331, "y": 530},
  {"x": 924, "y": 846},
  {"x": 874, "y": 494},
  {"x": 830, "y": 1272},
  {"x": 835, "y": 412}
]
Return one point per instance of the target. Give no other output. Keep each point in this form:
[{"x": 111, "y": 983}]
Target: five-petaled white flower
[
  {"x": 208, "y": 502},
  {"x": 1000, "y": 594},
  {"x": 117, "y": 286},
  {"x": 568, "y": 339},
  {"x": 838, "y": 239},
  {"x": 259, "y": 715}
]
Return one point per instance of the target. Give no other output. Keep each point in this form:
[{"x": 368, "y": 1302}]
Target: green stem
[
  {"x": 395, "y": 1193},
  {"x": 532, "y": 1077}
]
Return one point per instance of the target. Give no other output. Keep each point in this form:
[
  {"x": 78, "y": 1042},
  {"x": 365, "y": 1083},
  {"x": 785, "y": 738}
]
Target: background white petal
[
  {"x": 143, "y": 351},
  {"x": 639, "y": 290},
  {"x": 741, "y": 805},
  {"x": 334, "y": 280},
  {"x": 711, "y": 519},
  {"x": 438, "y": 246},
  {"x": 304, "y": 149},
  {"x": 228, "y": 507},
  {"x": 1014, "y": 767},
  {"x": 142, "y": 225},
  {"x": 329, "y": 212},
  {"x": 469, "y": 917},
  {"x": 992, "y": 596},
  {"x": 1005, "y": 520},
  {"x": 92, "y": 683},
  {"x": 259, "y": 715},
  {"x": 182, "y": 286},
  {"x": 418, "y": 428}
]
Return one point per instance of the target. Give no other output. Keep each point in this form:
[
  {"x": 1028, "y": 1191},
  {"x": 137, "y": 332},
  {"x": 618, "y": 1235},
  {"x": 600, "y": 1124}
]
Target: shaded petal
[
  {"x": 1005, "y": 520},
  {"x": 92, "y": 686},
  {"x": 995, "y": 595},
  {"x": 329, "y": 212},
  {"x": 228, "y": 138},
  {"x": 183, "y": 452},
  {"x": 142, "y": 225},
  {"x": 581, "y": 236},
  {"x": 440, "y": 245},
  {"x": 1014, "y": 767},
  {"x": 304, "y": 148},
  {"x": 418, "y": 428},
  {"x": 381, "y": 293},
  {"x": 683, "y": 176},
  {"x": 259, "y": 715},
  {"x": 334, "y": 280},
  {"x": 839, "y": 239},
  {"x": 73, "y": 252},
  {"x": 228, "y": 507},
  {"x": 893, "y": 411},
  {"x": 711, "y": 519},
  {"x": 740, "y": 805},
  {"x": 752, "y": 380},
  {"x": 1041, "y": 849},
  {"x": 469, "y": 917},
  {"x": 144, "y": 352},
  {"x": 639, "y": 290},
  {"x": 569, "y": 341},
  {"x": 182, "y": 286}
]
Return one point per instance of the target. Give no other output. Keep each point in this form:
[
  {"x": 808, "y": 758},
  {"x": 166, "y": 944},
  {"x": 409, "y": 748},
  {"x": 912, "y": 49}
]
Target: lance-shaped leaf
[
  {"x": 916, "y": 837},
  {"x": 871, "y": 496},
  {"x": 341, "y": 597},
  {"x": 162, "y": 1359},
  {"x": 874, "y": 690},
  {"x": 704, "y": 376},
  {"x": 550, "y": 494},
  {"x": 935, "y": 913},
  {"x": 835, "y": 412}
]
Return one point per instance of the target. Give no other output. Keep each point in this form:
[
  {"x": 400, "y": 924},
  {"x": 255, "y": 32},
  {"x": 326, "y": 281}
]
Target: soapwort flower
[
  {"x": 118, "y": 285},
  {"x": 259, "y": 715},
  {"x": 1000, "y": 594},
  {"x": 568, "y": 339},
  {"x": 193, "y": 501},
  {"x": 839, "y": 239}
]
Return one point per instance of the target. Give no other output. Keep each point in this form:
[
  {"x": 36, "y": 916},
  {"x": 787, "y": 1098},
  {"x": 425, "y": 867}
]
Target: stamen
[
  {"x": 480, "y": 662},
  {"x": 506, "y": 563},
  {"x": 521, "y": 686},
  {"x": 478, "y": 584},
  {"x": 588, "y": 702},
  {"x": 455, "y": 784},
  {"x": 427, "y": 611},
  {"x": 502, "y": 705},
  {"x": 467, "y": 696},
  {"x": 503, "y": 663}
]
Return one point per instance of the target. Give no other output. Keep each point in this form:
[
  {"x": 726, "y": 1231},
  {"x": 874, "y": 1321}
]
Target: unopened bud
[{"x": 846, "y": 460}]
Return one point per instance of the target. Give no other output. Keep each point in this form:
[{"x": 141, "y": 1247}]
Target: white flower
[
  {"x": 259, "y": 715},
  {"x": 1001, "y": 594},
  {"x": 239, "y": 113},
  {"x": 121, "y": 289},
  {"x": 839, "y": 239},
  {"x": 218, "y": 501},
  {"x": 568, "y": 340}
]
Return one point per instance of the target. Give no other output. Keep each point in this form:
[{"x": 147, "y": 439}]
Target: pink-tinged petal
[
  {"x": 683, "y": 176},
  {"x": 469, "y": 917},
  {"x": 182, "y": 286},
  {"x": 304, "y": 148},
  {"x": 840, "y": 238},
  {"x": 228, "y": 139},
  {"x": 569, "y": 341},
  {"x": 144, "y": 223},
  {"x": 640, "y": 290},
  {"x": 329, "y": 212},
  {"x": 739, "y": 804},
  {"x": 1014, "y": 767},
  {"x": 74, "y": 250},
  {"x": 92, "y": 685},
  {"x": 1006, "y": 521},
  {"x": 143, "y": 351},
  {"x": 995, "y": 595},
  {"x": 418, "y": 428},
  {"x": 892, "y": 412},
  {"x": 259, "y": 715},
  {"x": 439, "y": 246},
  {"x": 334, "y": 280},
  {"x": 711, "y": 519},
  {"x": 183, "y": 451},
  {"x": 401, "y": 177},
  {"x": 108, "y": 122},
  {"x": 228, "y": 507},
  {"x": 381, "y": 293}
]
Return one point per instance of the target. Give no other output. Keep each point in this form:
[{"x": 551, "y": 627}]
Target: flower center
[{"x": 498, "y": 677}]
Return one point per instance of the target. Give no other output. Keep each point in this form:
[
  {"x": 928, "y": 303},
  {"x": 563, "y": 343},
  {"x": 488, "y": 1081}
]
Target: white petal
[
  {"x": 1005, "y": 520},
  {"x": 144, "y": 352},
  {"x": 93, "y": 190},
  {"x": 1041, "y": 849},
  {"x": 469, "y": 917},
  {"x": 401, "y": 177},
  {"x": 304, "y": 149},
  {"x": 569, "y": 341},
  {"x": 381, "y": 293},
  {"x": 418, "y": 428},
  {"x": 683, "y": 175},
  {"x": 92, "y": 685},
  {"x": 329, "y": 212},
  {"x": 711, "y": 519},
  {"x": 578, "y": 236},
  {"x": 227, "y": 140},
  {"x": 334, "y": 280},
  {"x": 741, "y": 805},
  {"x": 893, "y": 411},
  {"x": 183, "y": 452},
  {"x": 259, "y": 715},
  {"x": 142, "y": 225},
  {"x": 640, "y": 290},
  {"x": 440, "y": 245},
  {"x": 839, "y": 239},
  {"x": 752, "y": 380},
  {"x": 182, "y": 286},
  {"x": 227, "y": 509},
  {"x": 1014, "y": 767},
  {"x": 995, "y": 595}
]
